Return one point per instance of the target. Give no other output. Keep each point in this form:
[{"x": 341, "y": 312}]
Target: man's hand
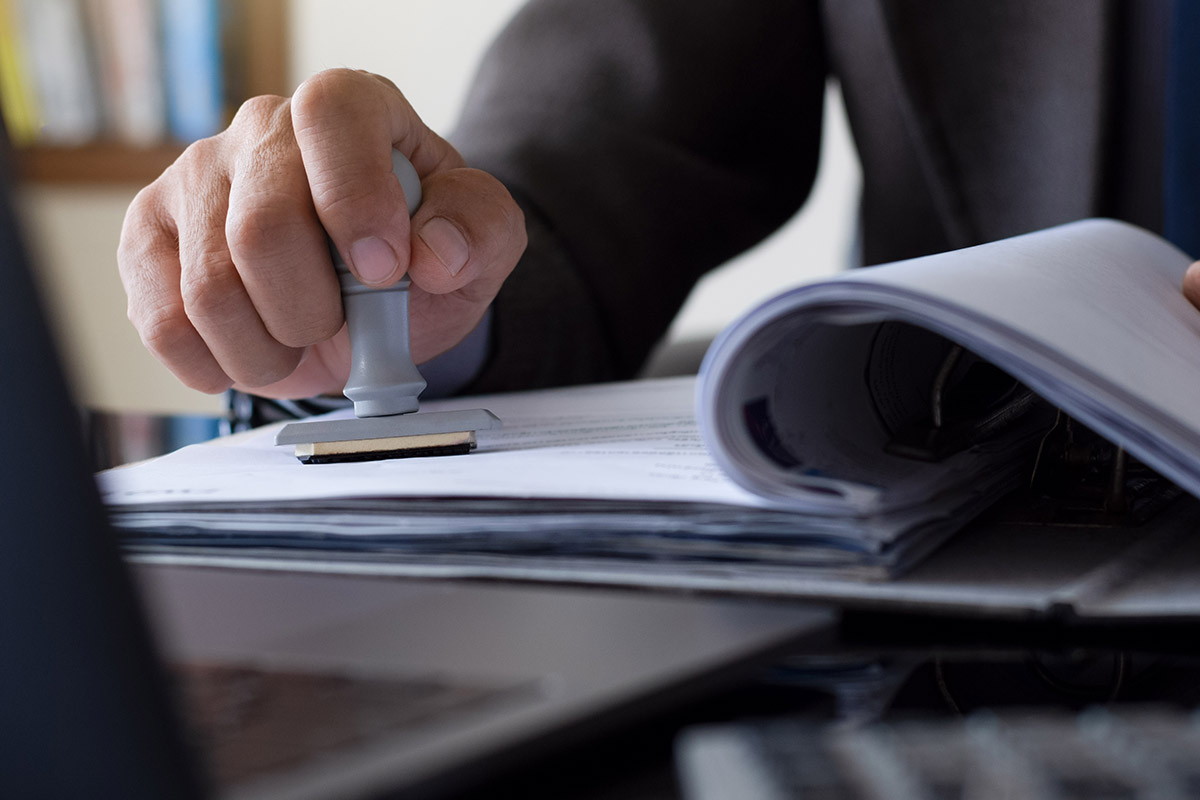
[
  {"x": 224, "y": 257},
  {"x": 1191, "y": 284}
]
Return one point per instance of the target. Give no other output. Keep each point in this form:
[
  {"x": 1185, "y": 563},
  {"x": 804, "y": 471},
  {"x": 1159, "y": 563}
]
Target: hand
[
  {"x": 1191, "y": 284},
  {"x": 224, "y": 256}
]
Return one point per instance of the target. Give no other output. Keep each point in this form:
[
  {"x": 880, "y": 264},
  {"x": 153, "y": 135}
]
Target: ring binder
[
  {"x": 1078, "y": 477},
  {"x": 944, "y": 434}
]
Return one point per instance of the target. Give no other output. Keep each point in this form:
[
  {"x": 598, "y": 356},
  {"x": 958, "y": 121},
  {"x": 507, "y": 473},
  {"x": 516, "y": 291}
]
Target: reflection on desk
[{"x": 847, "y": 692}]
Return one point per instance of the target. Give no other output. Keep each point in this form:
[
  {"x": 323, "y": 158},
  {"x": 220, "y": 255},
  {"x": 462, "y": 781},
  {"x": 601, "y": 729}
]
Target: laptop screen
[{"x": 83, "y": 710}]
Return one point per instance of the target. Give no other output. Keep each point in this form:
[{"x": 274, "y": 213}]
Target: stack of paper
[{"x": 605, "y": 481}]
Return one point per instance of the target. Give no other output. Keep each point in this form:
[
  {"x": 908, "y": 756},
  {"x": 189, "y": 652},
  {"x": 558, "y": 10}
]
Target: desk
[
  {"x": 930, "y": 667},
  {"x": 320, "y": 685},
  {"x": 866, "y": 666}
]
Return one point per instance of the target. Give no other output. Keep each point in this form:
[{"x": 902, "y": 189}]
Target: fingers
[
  {"x": 218, "y": 304},
  {"x": 225, "y": 257},
  {"x": 468, "y": 228},
  {"x": 346, "y": 124},
  {"x": 463, "y": 241},
  {"x": 468, "y": 234},
  {"x": 323, "y": 369},
  {"x": 1191, "y": 284},
  {"x": 148, "y": 260},
  {"x": 224, "y": 260}
]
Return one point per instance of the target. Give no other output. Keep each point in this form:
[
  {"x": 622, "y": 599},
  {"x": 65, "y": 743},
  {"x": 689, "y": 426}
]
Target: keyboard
[{"x": 1096, "y": 754}]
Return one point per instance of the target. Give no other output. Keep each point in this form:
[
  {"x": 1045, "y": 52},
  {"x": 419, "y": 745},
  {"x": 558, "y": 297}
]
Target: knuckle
[
  {"x": 142, "y": 235},
  {"x": 344, "y": 199},
  {"x": 258, "y": 111},
  {"x": 257, "y": 231},
  {"x": 196, "y": 186},
  {"x": 195, "y": 162},
  {"x": 505, "y": 219},
  {"x": 349, "y": 197},
  {"x": 261, "y": 133},
  {"x": 165, "y": 330},
  {"x": 328, "y": 92},
  {"x": 208, "y": 288},
  {"x": 146, "y": 202}
]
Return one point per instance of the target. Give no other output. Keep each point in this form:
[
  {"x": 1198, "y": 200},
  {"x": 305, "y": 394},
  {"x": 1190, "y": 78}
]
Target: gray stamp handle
[{"x": 383, "y": 378}]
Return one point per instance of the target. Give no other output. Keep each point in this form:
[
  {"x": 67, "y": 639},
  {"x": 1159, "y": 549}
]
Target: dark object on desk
[
  {"x": 84, "y": 710},
  {"x": 384, "y": 382}
]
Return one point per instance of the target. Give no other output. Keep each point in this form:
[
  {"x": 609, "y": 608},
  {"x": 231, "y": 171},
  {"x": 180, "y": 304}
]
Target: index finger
[{"x": 346, "y": 125}]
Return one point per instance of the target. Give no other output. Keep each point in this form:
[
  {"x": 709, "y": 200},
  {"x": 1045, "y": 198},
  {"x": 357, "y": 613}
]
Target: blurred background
[{"x": 101, "y": 95}]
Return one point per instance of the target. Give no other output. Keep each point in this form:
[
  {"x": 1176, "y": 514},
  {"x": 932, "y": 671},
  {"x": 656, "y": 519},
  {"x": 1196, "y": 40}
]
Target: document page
[
  {"x": 610, "y": 471},
  {"x": 629, "y": 441},
  {"x": 1089, "y": 315}
]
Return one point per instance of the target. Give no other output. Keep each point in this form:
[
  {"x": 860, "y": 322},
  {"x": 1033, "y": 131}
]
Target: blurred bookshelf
[
  {"x": 77, "y": 180},
  {"x": 100, "y": 162},
  {"x": 251, "y": 54}
]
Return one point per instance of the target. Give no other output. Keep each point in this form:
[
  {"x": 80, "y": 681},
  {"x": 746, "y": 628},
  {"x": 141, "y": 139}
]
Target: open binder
[{"x": 853, "y": 433}]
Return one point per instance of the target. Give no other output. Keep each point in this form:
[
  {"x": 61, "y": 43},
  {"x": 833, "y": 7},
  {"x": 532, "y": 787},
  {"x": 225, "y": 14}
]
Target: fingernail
[
  {"x": 373, "y": 259},
  {"x": 447, "y": 243}
]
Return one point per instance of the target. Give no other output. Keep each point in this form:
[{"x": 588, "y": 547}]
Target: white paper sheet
[
  {"x": 614, "y": 471},
  {"x": 629, "y": 441}
]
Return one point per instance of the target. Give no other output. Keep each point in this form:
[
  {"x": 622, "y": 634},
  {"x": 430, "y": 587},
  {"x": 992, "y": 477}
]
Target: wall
[
  {"x": 430, "y": 51},
  {"x": 430, "y": 54},
  {"x": 74, "y": 233}
]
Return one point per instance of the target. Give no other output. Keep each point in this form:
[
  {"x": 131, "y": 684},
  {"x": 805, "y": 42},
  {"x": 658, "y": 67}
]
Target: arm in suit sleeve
[{"x": 647, "y": 142}]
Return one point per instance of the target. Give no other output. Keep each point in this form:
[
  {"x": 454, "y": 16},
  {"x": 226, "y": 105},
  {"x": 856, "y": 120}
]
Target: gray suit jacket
[{"x": 650, "y": 140}]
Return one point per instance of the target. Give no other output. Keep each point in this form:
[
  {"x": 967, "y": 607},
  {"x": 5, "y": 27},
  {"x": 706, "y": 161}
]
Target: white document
[
  {"x": 614, "y": 470},
  {"x": 629, "y": 441}
]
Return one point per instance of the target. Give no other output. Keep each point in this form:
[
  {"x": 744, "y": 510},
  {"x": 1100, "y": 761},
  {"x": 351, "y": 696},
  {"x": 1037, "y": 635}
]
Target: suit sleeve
[{"x": 647, "y": 142}]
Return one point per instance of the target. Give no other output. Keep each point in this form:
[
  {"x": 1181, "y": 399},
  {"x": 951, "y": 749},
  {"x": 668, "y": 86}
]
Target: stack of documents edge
[{"x": 606, "y": 479}]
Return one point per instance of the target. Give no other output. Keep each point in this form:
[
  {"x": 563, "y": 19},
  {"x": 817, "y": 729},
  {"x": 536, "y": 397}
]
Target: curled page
[{"x": 804, "y": 399}]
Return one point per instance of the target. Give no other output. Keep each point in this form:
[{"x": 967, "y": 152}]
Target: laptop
[{"x": 163, "y": 681}]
